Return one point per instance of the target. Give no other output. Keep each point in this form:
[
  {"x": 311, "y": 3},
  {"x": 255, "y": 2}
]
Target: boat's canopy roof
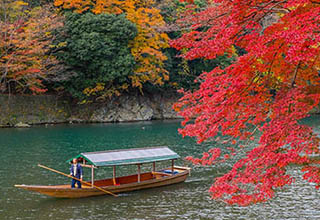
[{"x": 127, "y": 156}]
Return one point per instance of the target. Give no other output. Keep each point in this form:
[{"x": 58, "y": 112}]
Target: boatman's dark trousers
[{"x": 74, "y": 182}]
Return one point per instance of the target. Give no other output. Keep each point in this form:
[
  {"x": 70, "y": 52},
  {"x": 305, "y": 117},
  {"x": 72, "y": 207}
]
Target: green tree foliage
[
  {"x": 183, "y": 73},
  {"x": 95, "y": 47}
]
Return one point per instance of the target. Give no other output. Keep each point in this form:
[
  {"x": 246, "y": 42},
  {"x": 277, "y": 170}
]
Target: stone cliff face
[
  {"x": 31, "y": 110},
  {"x": 47, "y": 109},
  {"x": 135, "y": 108}
]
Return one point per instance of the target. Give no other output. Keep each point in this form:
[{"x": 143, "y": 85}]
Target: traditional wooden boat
[{"x": 137, "y": 156}]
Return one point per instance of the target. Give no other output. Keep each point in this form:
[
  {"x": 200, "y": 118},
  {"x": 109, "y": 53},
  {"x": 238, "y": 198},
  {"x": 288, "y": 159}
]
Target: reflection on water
[{"x": 23, "y": 149}]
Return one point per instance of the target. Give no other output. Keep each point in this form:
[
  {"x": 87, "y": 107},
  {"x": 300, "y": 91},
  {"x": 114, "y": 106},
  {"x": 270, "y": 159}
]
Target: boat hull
[{"x": 65, "y": 191}]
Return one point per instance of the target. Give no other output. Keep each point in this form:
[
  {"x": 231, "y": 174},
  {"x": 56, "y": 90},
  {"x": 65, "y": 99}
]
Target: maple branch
[
  {"x": 271, "y": 64},
  {"x": 295, "y": 75},
  {"x": 273, "y": 58},
  {"x": 258, "y": 19},
  {"x": 251, "y": 82},
  {"x": 274, "y": 7}
]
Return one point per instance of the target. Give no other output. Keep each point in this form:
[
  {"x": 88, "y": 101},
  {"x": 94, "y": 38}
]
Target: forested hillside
[{"x": 95, "y": 50}]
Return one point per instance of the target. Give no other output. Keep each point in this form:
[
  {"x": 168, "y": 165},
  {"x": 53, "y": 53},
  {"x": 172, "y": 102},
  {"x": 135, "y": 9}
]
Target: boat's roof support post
[
  {"x": 154, "y": 167},
  {"x": 172, "y": 166},
  {"x": 139, "y": 173},
  {"x": 92, "y": 176},
  {"x": 114, "y": 175}
]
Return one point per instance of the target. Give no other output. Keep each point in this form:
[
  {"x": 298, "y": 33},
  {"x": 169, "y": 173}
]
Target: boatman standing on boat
[{"x": 76, "y": 171}]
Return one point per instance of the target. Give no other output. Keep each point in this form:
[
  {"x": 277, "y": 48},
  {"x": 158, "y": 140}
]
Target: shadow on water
[{"x": 23, "y": 149}]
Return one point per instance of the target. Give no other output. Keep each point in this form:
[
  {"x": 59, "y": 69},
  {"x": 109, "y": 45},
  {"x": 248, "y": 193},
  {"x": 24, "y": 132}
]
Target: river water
[{"x": 23, "y": 149}]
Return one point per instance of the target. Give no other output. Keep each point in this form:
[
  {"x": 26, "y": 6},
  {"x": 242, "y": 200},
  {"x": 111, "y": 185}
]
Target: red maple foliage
[
  {"x": 25, "y": 36},
  {"x": 262, "y": 95}
]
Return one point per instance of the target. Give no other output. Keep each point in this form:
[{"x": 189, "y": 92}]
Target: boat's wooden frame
[{"x": 116, "y": 184}]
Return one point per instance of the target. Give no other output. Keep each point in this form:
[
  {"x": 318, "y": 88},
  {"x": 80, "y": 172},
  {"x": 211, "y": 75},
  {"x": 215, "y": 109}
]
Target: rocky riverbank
[{"x": 24, "y": 110}]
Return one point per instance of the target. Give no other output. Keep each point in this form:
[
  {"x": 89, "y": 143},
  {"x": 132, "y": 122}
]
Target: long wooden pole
[{"x": 97, "y": 187}]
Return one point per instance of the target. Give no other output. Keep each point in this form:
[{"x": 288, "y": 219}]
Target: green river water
[{"x": 23, "y": 149}]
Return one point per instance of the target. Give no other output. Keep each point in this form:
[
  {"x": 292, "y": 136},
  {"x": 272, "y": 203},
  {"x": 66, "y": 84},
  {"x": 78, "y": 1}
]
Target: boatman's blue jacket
[{"x": 79, "y": 172}]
